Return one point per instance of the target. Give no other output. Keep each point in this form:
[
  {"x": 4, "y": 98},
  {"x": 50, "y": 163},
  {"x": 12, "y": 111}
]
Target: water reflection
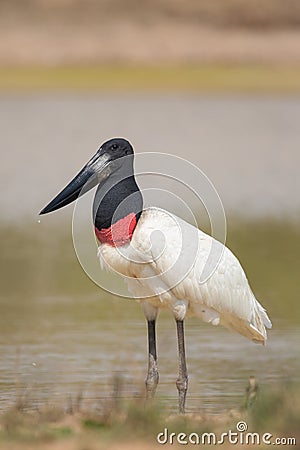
[{"x": 66, "y": 345}]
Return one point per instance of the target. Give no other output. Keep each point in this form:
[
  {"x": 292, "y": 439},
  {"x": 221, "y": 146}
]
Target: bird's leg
[
  {"x": 182, "y": 380},
  {"x": 152, "y": 376}
]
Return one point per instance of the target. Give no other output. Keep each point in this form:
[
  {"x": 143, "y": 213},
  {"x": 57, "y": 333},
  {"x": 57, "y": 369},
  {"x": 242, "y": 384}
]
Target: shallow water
[{"x": 54, "y": 348}]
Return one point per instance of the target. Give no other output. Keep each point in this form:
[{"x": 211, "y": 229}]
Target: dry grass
[
  {"x": 85, "y": 33},
  {"x": 254, "y": 14}
]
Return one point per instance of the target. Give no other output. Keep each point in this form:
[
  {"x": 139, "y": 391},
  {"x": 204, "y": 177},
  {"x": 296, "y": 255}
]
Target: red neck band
[{"x": 119, "y": 233}]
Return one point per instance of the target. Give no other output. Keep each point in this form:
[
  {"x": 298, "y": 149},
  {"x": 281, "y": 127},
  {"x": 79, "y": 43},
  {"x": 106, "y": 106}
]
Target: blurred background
[{"x": 212, "y": 81}]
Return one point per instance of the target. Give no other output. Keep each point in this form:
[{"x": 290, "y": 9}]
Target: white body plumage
[{"x": 163, "y": 266}]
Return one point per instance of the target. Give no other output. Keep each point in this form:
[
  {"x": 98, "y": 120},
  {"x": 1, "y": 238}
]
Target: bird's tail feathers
[
  {"x": 259, "y": 322},
  {"x": 246, "y": 329},
  {"x": 255, "y": 329},
  {"x": 264, "y": 316}
]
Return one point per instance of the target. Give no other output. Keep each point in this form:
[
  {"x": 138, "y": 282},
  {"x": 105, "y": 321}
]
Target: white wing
[{"x": 172, "y": 257}]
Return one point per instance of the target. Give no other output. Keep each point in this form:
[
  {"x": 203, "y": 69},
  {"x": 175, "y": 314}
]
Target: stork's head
[
  {"x": 109, "y": 158},
  {"x": 116, "y": 148}
]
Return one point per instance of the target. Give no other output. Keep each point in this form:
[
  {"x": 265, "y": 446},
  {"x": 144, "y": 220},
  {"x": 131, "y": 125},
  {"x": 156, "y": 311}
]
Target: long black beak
[{"x": 92, "y": 174}]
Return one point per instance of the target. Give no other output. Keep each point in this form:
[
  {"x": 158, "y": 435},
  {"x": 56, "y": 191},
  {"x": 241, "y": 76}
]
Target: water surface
[{"x": 57, "y": 347}]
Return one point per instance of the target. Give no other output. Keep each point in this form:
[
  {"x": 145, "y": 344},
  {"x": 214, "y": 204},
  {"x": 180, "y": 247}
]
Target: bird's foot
[
  {"x": 182, "y": 386},
  {"x": 151, "y": 384}
]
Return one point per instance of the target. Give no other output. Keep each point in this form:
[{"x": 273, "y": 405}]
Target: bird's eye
[{"x": 114, "y": 146}]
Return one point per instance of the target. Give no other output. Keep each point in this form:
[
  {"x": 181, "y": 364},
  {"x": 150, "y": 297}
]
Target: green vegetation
[
  {"x": 275, "y": 411},
  {"x": 213, "y": 78},
  {"x": 269, "y": 252},
  {"x": 277, "y": 408}
]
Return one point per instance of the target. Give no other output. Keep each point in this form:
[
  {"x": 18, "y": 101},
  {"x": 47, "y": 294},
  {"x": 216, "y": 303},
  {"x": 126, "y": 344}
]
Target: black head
[
  {"x": 116, "y": 148},
  {"x": 110, "y": 157}
]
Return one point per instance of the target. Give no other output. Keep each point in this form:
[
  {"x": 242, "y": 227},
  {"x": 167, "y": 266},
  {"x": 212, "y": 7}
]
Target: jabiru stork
[{"x": 125, "y": 236}]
